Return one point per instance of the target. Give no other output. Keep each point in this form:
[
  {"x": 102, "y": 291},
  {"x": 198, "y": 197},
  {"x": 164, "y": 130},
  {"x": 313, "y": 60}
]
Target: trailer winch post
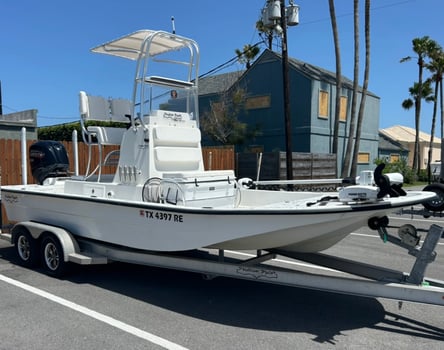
[{"x": 426, "y": 255}]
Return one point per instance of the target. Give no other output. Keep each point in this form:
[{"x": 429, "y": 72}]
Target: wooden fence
[
  {"x": 215, "y": 158},
  {"x": 273, "y": 166}
]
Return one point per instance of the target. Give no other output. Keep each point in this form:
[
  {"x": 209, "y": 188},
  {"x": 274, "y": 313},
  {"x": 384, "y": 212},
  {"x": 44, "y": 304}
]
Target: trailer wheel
[
  {"x": 52, "y": 256},
  {"x": 26, "y": 247},
  {"x": 436, "y": 204}
]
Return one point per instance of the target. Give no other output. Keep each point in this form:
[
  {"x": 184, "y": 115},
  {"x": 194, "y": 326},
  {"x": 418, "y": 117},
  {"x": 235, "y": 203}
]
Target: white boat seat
[
  {"x": 97, "y": 108},
  {"x": 177, "y": 148},
  {"x": 177, "y": 159},
  {"x": 120, "y": 110},
  {"x": 172, "y": 136},
  {"x": 100, "y": 109},
  {"x": 93, "y": 107}
]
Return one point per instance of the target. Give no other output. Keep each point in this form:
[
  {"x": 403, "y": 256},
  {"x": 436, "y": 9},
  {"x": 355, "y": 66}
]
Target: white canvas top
[{"x": 131, "y": 45}]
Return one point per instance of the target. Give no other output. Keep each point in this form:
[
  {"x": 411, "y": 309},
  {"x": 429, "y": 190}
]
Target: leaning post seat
[
  {"x": 97, "y": 108},
  {"x": 177, "y": 149},
  {"x": 105, "y": 110}
]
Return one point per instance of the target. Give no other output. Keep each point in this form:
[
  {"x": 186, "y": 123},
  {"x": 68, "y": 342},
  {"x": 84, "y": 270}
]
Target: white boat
[{"x": 160, "y": 197}]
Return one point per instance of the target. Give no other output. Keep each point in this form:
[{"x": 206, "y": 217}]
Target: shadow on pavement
[{"x": 247, "y": 304}]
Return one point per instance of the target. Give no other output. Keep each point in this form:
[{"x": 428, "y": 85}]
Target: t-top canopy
[{"x": 131, "y": 45}]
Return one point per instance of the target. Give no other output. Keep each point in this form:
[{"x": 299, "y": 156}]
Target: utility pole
[
  {"x": 286, "y": 86},
  {"x": 277, "y": 17}
]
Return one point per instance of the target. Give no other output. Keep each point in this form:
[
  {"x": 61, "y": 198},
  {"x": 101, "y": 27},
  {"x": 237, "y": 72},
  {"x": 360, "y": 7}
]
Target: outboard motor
[{"x": 48, "y": 159}]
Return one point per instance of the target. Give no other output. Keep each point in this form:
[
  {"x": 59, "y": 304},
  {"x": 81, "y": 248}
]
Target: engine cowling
[{"x": 48, "y": 159}]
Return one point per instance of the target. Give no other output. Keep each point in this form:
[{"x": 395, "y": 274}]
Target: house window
[
  {"x": 256, "y": 149},
  {"x": 364, "y": 158},
  {"x": 343, "y": 109},
  {"x": 258, "y": 102},
  {"x": 323, "y": 104},
  {"x": 394, "y": 158}
]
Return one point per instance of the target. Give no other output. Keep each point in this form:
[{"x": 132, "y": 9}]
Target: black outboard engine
[{"x": 48, "y": 159}]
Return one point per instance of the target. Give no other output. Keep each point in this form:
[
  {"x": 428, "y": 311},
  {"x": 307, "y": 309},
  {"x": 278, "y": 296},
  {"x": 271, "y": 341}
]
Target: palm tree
[
  {"x": 436, "y": 66},
  {"x": 334, "y": 26},
  {"x": 364, "y": 89},
  {"x": 422, "y": 47},
  {"x": 425, "y": 91},
  {"x": 247, "y": 55},
  {"x": 352, "y": 127}
]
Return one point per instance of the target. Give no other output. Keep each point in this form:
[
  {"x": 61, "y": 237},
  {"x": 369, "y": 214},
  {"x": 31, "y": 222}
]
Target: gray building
[
  {"x": 391, "y": 150},
  {"x": 312, "y": 106},
  {"x": 11, "y": 125}
]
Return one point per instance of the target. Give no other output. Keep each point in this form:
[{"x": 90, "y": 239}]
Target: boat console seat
[
  {"x": 177, "y": 148},
  {"x": 100, "y": 109},
  {"x": 176, "y": 136},
  {"x": 97, "y": 108}
]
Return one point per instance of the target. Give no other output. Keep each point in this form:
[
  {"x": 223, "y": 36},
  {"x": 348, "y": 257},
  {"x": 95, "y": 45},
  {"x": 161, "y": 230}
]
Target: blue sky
[{"x": 45, "y": 59}]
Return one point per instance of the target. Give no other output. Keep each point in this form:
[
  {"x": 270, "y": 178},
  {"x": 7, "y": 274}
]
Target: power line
[
  {"x": 351, "y": 13},
  {"x": 228, "y": 63}
]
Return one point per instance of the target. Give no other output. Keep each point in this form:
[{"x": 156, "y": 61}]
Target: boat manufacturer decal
[
  {"x": 11, "y": 198},
  {"x": 161, "y": 216},
  {"x": 256, "y": 273},
  {"x": 173, "y": 116}
]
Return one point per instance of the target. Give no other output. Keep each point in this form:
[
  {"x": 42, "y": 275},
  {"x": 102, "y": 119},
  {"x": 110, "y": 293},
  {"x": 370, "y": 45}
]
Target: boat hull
[{"x": 160, "y": 227}]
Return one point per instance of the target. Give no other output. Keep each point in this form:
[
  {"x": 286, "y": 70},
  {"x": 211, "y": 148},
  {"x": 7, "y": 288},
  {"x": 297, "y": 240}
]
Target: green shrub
[{"x": 63, "y": 132}]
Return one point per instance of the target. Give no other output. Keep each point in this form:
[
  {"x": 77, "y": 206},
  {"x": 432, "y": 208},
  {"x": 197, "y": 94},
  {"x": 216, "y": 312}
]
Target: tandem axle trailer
[{"x": 55, "y": 248}]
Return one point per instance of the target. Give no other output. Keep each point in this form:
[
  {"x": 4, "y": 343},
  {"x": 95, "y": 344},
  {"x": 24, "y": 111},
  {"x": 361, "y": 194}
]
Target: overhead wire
[{"x": 234, "y": 59}]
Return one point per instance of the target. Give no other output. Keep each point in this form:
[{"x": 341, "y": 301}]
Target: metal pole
[
  {"x": 286, "y": 82},
  {"x": 24, "y": 157},
  {"x": 75, "y": 152},
  {"x": 1, "y": 103}
]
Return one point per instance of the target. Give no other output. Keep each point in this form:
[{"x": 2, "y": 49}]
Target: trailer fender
[{"x": 36, "y": 229}]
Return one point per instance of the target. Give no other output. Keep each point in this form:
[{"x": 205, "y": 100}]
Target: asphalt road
[{"x": 122, "y": 306}]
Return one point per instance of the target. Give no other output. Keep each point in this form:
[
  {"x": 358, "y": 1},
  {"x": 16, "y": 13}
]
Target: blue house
[{"x": 312, "y": 107}]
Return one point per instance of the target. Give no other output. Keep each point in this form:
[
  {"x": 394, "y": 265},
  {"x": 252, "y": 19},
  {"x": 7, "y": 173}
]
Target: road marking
[
  {"x": 429, "y": 220},
  {"x": 377, "y": 236},
  {"x": 96, "y": 315},
  {"x": 365, "y": 235}
]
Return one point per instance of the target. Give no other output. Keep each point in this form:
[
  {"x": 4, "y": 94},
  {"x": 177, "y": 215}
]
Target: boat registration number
[{"x": 158, "y": 215}]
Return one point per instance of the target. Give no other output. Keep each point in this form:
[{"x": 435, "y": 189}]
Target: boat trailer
[{"x": 350, "y": 277}]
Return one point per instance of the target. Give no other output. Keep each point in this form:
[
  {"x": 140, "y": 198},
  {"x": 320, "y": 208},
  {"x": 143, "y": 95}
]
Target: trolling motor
[
  {"x": 364, "y": 189},
  {"x": 389, "y": 184}
]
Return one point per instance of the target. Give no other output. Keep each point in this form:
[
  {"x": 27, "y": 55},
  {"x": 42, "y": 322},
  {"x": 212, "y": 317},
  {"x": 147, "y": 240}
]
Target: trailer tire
[
  {"x": 26, "y": 247},
  {"x": 52, "y": 256},
  {"x": 436, "y": 204}
]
